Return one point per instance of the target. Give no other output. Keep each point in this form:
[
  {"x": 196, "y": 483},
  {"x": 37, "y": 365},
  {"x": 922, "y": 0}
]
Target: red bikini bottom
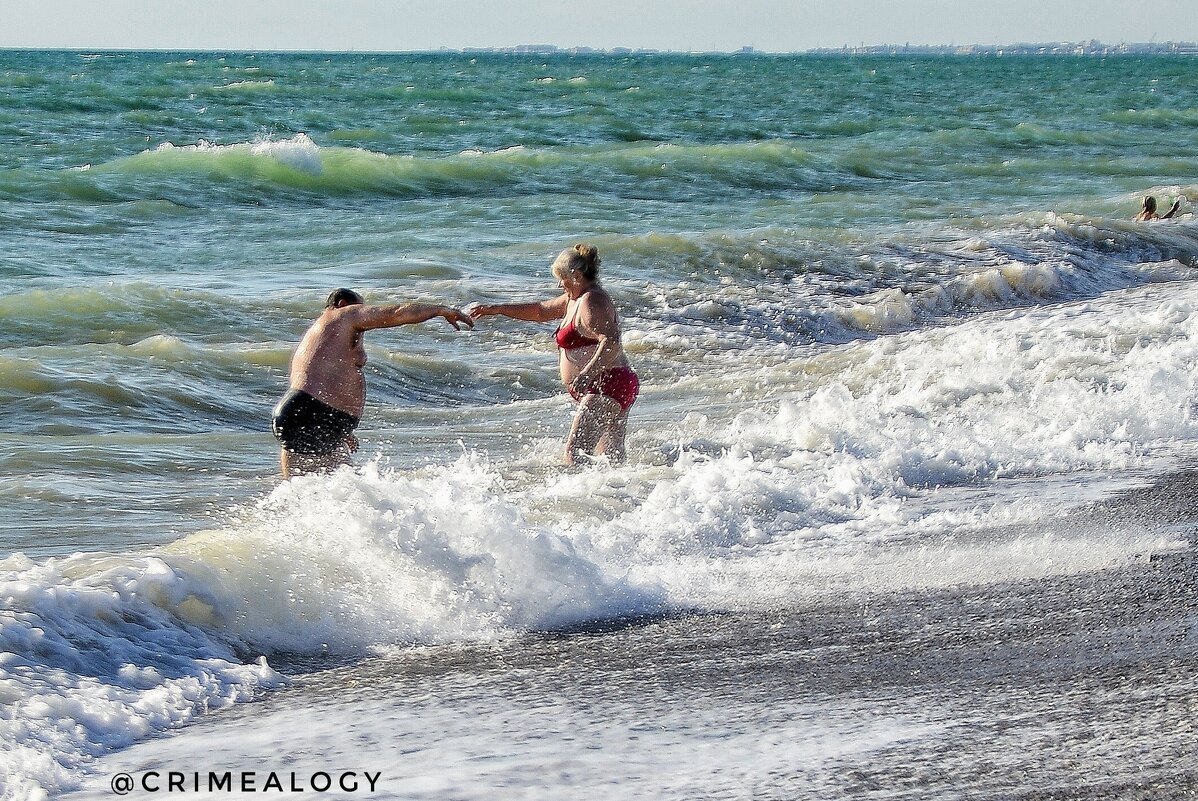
[{"x": 619, "y": 383}]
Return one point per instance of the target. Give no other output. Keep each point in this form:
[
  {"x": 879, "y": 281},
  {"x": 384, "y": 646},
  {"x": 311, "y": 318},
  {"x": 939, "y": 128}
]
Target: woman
[{"x": 592, "y": 362}]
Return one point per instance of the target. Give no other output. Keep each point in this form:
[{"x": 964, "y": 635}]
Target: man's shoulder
[
  {"x": 331, "y": 324},
  {"x": 349, "y": 316}
]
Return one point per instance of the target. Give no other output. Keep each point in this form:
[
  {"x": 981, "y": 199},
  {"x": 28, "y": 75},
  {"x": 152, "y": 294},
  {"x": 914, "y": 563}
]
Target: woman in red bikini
[{"x": 592, "y": 362}]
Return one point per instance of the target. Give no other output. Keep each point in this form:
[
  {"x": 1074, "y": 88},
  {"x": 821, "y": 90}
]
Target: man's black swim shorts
[{"x": 302, "y": 424}]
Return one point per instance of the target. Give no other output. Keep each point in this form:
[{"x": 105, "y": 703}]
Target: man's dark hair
[{"x": 342, "y": 297}]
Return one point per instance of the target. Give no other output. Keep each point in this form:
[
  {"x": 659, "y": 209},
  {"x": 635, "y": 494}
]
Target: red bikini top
[{"x": 569, "y": 338}]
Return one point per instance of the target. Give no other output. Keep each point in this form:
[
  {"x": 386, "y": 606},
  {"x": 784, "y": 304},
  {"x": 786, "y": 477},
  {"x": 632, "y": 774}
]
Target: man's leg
[{"x": 300, "y": 464}]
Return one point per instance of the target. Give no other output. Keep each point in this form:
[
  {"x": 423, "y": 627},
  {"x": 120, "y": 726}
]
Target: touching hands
[{"x": 456, "y": 316}]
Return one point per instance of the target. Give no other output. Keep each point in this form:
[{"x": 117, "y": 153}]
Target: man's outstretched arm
[{"x": 367, "y": 317}]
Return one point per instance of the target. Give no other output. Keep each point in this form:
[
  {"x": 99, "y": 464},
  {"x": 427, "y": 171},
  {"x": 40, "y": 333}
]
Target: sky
[{"x": 679, "y": 25}]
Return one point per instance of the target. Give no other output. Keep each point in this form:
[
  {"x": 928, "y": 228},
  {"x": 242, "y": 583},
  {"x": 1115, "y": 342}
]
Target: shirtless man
[{"x": 314, "y": 422}]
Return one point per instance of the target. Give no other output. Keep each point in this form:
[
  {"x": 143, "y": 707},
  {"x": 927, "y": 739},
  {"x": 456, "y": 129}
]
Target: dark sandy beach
[{"x": 1077, "y": 686}]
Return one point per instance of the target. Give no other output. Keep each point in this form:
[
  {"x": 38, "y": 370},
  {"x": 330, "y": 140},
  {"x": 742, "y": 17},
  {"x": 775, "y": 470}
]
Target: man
[{"x": 315, "y": 420}]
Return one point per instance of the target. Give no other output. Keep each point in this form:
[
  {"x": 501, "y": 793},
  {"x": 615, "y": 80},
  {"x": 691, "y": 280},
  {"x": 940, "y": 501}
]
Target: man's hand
[{"x": 455, "y": 316}]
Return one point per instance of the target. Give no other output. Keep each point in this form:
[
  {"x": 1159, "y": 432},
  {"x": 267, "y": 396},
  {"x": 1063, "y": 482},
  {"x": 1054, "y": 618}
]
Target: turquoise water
[
  {"x": 882, "y": 308},
  {"x": 211, "y": 199}
]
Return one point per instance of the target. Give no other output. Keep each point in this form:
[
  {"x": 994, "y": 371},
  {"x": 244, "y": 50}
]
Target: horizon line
[{"x": 1120, "y": 48}]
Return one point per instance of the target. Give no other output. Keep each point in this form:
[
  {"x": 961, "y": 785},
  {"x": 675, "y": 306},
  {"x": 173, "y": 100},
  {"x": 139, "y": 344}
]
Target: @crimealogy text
[{"x": 246, "y": 781}]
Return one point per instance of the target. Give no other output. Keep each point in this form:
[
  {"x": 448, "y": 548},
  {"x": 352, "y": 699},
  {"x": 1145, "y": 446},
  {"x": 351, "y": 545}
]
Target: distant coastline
[{"x": 1092, "y": 47}]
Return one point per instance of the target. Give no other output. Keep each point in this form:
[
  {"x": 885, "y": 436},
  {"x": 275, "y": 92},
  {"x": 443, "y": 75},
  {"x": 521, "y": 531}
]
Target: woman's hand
[
  {"x": 581, "y": 384},
  {"x": 477, "y": 310}
]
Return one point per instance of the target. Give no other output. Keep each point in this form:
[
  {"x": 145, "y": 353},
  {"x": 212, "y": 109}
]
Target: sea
[{"x": 910, "y": 503}]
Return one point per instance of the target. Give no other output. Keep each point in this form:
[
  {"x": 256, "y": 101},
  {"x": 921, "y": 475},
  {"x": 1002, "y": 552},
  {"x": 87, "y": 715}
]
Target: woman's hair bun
[{"x": 587, "y": 259}]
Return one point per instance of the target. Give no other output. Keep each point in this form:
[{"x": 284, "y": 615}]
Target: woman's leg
[
  {"x": 594, "y": 418},
  {"x": 611, "y": 442}
]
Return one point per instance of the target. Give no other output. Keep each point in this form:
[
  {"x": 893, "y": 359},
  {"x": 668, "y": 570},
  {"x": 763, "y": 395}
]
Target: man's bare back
[
  {"x": 329, "y": 360},
  {"x": 314, "y": 421}
]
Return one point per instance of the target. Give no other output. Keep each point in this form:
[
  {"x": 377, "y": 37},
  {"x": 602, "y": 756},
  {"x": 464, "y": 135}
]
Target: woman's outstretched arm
[{"x": 536, "y": 311}]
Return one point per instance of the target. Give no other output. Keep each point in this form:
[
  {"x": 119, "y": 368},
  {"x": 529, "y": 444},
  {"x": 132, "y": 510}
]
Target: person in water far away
[
  {"x": 314, "y": 422},
  {"x": 1148, "y": 210},
  {"x": 592, "y": 362}
]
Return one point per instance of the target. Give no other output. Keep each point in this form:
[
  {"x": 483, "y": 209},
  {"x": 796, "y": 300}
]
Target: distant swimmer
[
  {"x": 592, "y": 362},
  {"x": 315, "y": 421},
  {"x": 1148, "y": 209}
]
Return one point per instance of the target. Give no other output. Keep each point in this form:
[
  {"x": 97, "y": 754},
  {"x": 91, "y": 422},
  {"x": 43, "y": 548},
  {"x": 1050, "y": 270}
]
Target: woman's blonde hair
[{"x": 582, "y": 258}]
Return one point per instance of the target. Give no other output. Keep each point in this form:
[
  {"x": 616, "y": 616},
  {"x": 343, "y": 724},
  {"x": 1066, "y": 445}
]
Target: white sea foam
[
  {"x": 908, "y": 449},
  {"x": 299, "y": 152},
  {"x": 374, "y": 558},
  {"x": 94, "y": 656},
  {"x": 248, "y": 85},
  {"x": 124, "y": 645}
]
